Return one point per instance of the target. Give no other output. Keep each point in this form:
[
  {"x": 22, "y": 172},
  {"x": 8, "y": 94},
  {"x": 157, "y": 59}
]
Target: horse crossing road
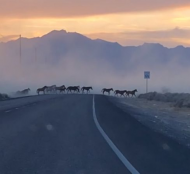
[{"x": 60, "y": 134}]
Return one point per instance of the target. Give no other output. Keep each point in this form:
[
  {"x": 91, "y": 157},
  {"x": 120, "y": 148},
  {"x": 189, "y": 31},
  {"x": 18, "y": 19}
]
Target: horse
[
  {"x": 41, "y": 89},
  {"x": 23, "y": 92},
  {"x": 78, "y": 88},
  {"x": 116, "y": 92},
  {"x": 60, "y": 89},
  {"x": 73, "y": 88},
  {"x": 51, "y": 88},
  {"x": 107, "y": 90},
  {"x": 132, "y": 93},
  {"x": 87, "y": 89}
]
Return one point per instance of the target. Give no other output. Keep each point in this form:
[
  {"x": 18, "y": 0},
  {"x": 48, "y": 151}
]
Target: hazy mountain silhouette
[{"x": 56, "y": 45}]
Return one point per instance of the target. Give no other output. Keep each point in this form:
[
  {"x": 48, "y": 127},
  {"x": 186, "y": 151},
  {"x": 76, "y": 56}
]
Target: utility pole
[
  {"x": 35, "y": 55},
  {"x": 20, "y": 51},
  {"x": 1, "y": 50},
  {"x": 1, "y": 37}
]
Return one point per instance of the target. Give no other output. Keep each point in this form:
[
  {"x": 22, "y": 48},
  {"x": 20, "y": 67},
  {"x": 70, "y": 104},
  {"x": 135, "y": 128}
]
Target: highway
[{"x": 82, "y": 134}]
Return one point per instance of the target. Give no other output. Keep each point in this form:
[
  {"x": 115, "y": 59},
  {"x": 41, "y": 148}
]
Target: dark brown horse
[
  {"x": 41, "y": 90},
  {"x": 132, "y": 93},
  {"x": 73, "y": 88},
  {"x": 122, "y": 93},
  {"x": 86, "y": 89},
  {"x": 60, "y": 89},
  {"x": 107, "y": 90}
]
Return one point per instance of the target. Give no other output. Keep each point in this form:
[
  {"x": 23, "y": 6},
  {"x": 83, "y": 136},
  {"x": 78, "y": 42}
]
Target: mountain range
[
  {"x": 76, "y": 59},
  {"x": 56, "y": 45}
]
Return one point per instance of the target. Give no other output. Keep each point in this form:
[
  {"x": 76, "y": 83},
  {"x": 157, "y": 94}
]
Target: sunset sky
[{"x": 128, "y": 22}]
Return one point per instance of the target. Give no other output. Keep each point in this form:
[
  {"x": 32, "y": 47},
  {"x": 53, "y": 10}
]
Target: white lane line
[
  {"x": 127, "y": 164},
  {"x": 8, "y": 111}
]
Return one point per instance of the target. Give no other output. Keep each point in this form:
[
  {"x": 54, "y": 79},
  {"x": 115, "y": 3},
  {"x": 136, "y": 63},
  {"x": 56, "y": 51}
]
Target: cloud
[
  {"x": 65, "y": 8},
  {"x": 169, "y": 38}
]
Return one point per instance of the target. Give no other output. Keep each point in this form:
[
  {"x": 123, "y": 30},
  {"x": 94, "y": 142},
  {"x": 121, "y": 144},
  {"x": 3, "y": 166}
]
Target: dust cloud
[{"x": 96, "y": 72}]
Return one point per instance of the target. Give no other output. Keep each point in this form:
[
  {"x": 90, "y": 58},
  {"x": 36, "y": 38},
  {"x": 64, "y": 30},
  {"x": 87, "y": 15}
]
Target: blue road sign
[{"x": 147, "y": 74}]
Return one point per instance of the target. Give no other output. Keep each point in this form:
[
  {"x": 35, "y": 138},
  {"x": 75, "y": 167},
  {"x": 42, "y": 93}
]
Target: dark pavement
[
  {"x": 58, "y": 136},
  {"x": 53, "y": 137}
]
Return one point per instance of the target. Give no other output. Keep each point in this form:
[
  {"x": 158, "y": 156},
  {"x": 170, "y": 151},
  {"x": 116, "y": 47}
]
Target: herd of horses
[
  {"x": 76, "y": 89},
  {"x": 61, "y": 89},
  {"x": 120, "y": 93}
]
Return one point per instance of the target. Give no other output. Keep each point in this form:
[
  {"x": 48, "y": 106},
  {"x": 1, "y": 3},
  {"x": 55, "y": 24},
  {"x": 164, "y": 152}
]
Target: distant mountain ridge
[{"x": 56, "y": 45}]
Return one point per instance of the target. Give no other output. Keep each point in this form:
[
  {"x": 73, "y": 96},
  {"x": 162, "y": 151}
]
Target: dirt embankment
[
  {"x": 178, "y": 99},
  {"x": 163, "y": 117}
]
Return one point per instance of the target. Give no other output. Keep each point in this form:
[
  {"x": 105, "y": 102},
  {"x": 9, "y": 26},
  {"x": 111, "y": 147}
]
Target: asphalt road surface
[{"x": 70, "y": 134}]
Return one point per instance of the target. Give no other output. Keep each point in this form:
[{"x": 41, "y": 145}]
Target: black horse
[
  {"x": 122, "y": 93},
  {"x": 41, "y": 90},
  {"x": 132, "y": 93},
  {"x": 107, "y": 90},
  {"x": 86, "y": 89},
  {"x": 60, "y": 89},
  {"x": 73, "y": 88}
]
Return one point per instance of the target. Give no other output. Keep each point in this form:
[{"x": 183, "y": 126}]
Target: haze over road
[{"x": 55, "y": 134}]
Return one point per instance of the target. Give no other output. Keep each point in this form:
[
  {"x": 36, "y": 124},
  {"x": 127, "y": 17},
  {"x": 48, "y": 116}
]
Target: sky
[
  {"x": 128, "y": 22},
  {"x": 124, "y": 21}
]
